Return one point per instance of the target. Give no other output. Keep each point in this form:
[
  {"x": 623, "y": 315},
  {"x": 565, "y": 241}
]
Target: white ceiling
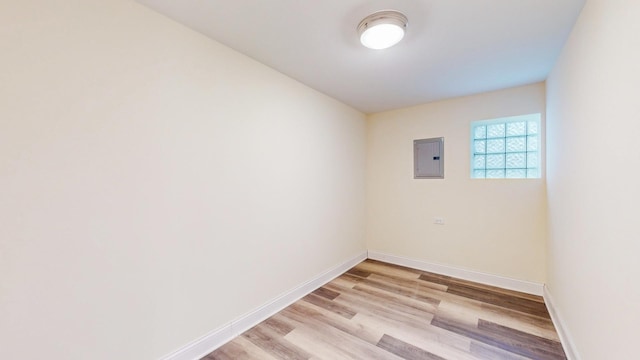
[{"x": 452, "y": 47}]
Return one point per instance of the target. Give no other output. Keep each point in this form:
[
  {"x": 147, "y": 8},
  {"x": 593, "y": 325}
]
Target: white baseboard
[
  {"x": 567, "y": 343},
  {"x": 216, "y": 338},
  {"x": 470, "y": 275}
]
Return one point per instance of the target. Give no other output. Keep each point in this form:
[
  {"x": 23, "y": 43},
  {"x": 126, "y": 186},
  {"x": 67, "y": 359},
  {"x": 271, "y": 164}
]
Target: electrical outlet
[{"x": 438, "y": 221}]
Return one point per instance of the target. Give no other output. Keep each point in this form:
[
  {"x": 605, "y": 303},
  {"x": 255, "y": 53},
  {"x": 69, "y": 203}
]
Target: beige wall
[
  {"x": 593, "y": 176},
  {"x": 154, "y": 184},
  {"x": 491, "y": 226}
]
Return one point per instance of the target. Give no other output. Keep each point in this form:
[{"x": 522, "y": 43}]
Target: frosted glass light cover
[
  {"x": 382, "y": 29},
  {"x": 382, "y": 36}
]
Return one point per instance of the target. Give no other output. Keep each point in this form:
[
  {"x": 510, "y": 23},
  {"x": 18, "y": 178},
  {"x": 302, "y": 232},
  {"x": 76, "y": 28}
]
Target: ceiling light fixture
[{"x": 382, "y": 29}]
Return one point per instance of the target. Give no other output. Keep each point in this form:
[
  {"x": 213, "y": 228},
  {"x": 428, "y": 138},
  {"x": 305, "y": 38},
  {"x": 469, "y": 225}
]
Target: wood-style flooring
[{"x": 382, "y": 311}]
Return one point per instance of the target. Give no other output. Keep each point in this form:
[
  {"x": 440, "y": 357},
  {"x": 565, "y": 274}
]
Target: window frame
[{"x": 535, "y": 117}]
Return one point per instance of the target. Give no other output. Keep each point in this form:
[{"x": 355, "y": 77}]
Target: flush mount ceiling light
[{"x": 382, "y": 29}]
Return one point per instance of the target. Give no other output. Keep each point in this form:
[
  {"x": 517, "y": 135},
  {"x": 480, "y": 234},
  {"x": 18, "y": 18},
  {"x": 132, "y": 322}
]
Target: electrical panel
[{"x": 428, "y": 158}]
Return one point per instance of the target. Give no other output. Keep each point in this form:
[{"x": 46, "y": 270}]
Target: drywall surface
[
  {"x": 593, "y": 118},
  {"x": 154, "y": 184},
  {"x": 492, "y": 226}
]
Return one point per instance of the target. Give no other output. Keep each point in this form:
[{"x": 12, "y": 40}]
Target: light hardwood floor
[{"x": 383, "y": 311}]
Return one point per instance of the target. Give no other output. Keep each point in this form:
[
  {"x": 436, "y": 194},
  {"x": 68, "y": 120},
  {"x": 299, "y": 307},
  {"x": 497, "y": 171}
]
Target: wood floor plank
[
  {"x": 410, "y": 325},
  {"x": 438, "y": 341},
  {"x": 524, "y": 343},
  {"x": 326, "y": 293},
  {"x": 310, "y": 342},
  {"x": 375, "y": 267},
  {"x": 332, "y": 337},
  {"x": 490, "y": 352},
  {"x": 230, "y": 351},
  {"x": 393, "y": 312},
  {"x": 352, "y": 278},
  {"x": 280, "y": 327},
  {"x": 370, "y": 335},
  {"x": 407, "y": 289},
  {"x": 447, "y": 280},
  {"x": 523, "y": 305},
  {"x": 393, "y": 297},
  {"x": 340, "y": 309},
  {"x": 517, "y": 344},
  {"x": 416, "y": 309},
  {"x": 406, "y": 350},
  {"x": 474, "y": 311},
  {"x": 407, "y": 282},
  {"x": 278, "y": 346},
  {"x": 390, "y": 267},
  {"x": 240, "y": 349},
  {"x": 346, "y": 280},
  {"x": 357, "y": 272},
  {"x": 382, "y": 311},
  {"x": 542, "y": 326},
  {"x": 520, "y": 321}
]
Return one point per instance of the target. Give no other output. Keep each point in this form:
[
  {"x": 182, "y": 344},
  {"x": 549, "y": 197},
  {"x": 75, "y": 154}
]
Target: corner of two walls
[{"x": 495, "y": 227}]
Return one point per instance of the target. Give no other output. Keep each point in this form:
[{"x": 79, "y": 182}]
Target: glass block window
[{"x": 507, "y": 148}]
